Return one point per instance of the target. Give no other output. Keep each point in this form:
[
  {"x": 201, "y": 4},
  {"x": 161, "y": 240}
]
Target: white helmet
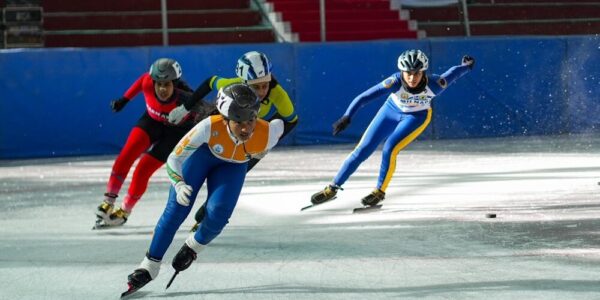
[
  {"x": 413, "y": 60},
  {"x": 254, "y": 67}
]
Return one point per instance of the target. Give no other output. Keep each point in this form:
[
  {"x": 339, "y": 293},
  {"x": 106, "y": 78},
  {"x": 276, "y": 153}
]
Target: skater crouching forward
[
  {"x": 401, "y": 119},
  {"x": 216, "y": 150},
  {"x": 255, "y": 69}
]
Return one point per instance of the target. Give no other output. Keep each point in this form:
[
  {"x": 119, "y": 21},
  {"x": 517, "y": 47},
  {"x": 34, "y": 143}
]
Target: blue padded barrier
[{"x": 55, "y": 102}]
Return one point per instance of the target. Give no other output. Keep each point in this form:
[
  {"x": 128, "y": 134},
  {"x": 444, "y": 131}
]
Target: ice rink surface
[{"x": 430, "y": 240}]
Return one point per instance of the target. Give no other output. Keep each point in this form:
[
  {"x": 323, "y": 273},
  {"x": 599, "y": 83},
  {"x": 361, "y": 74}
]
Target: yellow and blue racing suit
[{"x": 276, "y": 105}]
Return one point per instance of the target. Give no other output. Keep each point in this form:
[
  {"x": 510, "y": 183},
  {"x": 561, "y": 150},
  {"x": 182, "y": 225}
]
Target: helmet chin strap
[
  {"x": 231, "y": 131},
  {"x": 247, "y": 155}
]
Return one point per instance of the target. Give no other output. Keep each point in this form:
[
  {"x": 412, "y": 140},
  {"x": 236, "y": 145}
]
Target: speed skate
[
  {"x": 101, "y": 224},
  {"x": 318, "y": 204},
  {"x": 366, "y": 209}
]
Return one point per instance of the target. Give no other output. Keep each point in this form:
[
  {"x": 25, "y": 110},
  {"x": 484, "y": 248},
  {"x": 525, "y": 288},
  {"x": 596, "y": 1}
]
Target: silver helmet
[{"x": 165, "y": 69}]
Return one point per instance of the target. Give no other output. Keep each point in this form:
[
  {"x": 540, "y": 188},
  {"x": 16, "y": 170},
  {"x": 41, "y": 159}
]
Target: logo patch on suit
[
  {"x": 218, "y": 148},
  {"x": 389, "y": 82},
  {"x": 215, "y": 133}
]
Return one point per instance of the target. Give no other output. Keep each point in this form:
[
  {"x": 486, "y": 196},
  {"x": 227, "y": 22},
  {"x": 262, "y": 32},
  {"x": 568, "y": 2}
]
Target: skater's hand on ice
[
  {"x": 341, "y": 124},
  {"x": 178, "y": 114},
  {"x": 468, "y": 61},
  {"x": 118, "y": 104},
  {"x": 184, "y": 192}
]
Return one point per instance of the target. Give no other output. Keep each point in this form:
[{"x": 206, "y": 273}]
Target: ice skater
[
  {"x": 255, "y": 69},
  {"x": 152, "y": 138},
  {"x": 215, "y": 151},
  {"x": 400, "y": 120}
]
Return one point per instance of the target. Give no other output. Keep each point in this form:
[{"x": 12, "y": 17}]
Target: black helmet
[
  {"x": 238, "y": 102},
  {"x": 413, "y": 60},
  {"x": 165, "y": 69}
]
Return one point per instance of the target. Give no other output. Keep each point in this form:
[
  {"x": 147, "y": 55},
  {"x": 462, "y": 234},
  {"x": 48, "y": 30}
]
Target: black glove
[
  {"x": 469, "y": 61},
  {"x": 341, "y": 124},
  {"x": 118, "y": 104}
]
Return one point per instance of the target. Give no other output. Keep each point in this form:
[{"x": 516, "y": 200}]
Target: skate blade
[
  {"x": 101, "y": 224},
  {"x": 366, "y": 209},
  {"x": 129, "y": 291},
  {"x": 314, "y": 205},
  {"x": 172, "y": 278}
]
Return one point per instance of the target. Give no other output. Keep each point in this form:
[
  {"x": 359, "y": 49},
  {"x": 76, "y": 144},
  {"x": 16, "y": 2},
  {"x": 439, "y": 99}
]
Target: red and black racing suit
[{"x": 153, "y": 138}]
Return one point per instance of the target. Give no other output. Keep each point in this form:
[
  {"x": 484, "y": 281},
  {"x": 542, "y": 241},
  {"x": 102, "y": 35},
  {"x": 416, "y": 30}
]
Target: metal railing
[
  {"x": 165, "y": 26},
  {"x": 466, "y": 17},
  {"x": 322, "y": 20},
  {"x": 323, "y": 27},
  {"x": 256, "y": 3},
  {"x": 280, "y": 36}
]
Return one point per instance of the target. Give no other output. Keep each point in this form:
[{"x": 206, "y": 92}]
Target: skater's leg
[
  {"x": 411, "y": 126},
  {"x": 380, "y": 127},
  {"x": 139, "y": 182},
  {"x": 137, "y": 142},
  {"x": 195, "y": 170},
  {"x": 224, "y": 186}
]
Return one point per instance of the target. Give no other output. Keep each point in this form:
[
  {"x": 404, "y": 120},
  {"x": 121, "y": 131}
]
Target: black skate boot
[
  {"x": 373, "y": 198},
  {"x": 199, "y": 217},
  {"x": 136, "y": 280},
  {"x": 327, "y": 194},
  {"x": 184, "y": 258}
]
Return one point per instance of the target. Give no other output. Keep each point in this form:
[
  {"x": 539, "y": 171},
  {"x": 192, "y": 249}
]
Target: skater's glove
[
  {"x": 341, "y": 124},
  {"x": 178, "y": 114},
  {"x": 118, "y": 104},
  {"x": 184, "y": 192},
  {"x": 468, "y": 61}
]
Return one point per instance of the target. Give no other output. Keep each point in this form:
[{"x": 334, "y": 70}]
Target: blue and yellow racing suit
[{"x": 401, "y": 119}]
